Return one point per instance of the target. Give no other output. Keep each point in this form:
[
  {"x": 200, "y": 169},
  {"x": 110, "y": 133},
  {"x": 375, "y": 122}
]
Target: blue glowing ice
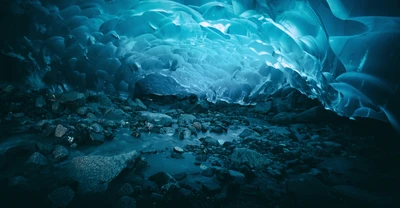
[{"x": 343, "y": 52}]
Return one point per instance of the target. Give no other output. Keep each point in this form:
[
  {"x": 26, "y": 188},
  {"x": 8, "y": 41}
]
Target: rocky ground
[{"x": 86, "y": 149}]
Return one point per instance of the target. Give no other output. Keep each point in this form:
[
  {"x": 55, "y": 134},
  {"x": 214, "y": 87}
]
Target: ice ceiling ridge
[{"x": 342, "y": 52}]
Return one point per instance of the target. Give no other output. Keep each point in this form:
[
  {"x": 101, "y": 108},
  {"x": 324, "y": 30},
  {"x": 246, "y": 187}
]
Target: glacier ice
[{"x": 343, "y": 52}]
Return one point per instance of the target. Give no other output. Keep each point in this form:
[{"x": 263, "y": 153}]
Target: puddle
[
  {"x": 124, "y": 142},
  {"x": 21, "y": 139},
  {"x": 164, "y": 163}
]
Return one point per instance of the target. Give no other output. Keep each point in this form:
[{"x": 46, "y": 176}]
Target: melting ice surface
[{"x": 343, "y": 52}]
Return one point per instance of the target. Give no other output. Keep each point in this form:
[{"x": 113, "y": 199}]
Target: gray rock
[
  {"x": 283, "y": 118},
  {"x": 180, "y": 176},
  {"x": 55, "y": 106},
  {"x": 157, "y": 197},
  {"x": 94, "y": 172},
  {"x": 252, "y": 158},
  {"x": 82, "y": 111},
  {"x": 127, "y": 108},
  {"x": 162, "y": 178},
  {"x": 284, "y": 105},
  {"x": 218, "y": 129},
  {"x": 170, "y": 188},
  {"x": 91, "y": 116},
  {"x": 237, "y": 178},
  {"x": 40, "y": 102},
  {"x": 37, "y": 159},
  {"x": 205, "y": 126},
  {"x": 132, "y": 103},
  {"x": 96, "y": 138},
  {"x": 72, "y": 98},
  {"x": 187, "y": 118},
  {"x": 185, "y": 193},
  {"x": 280, "y": 130},
  {"x": 209, "y": 141},
  {"x": 248, "y": 133},
  {"x": 275, "y": 173},
  {"x": 263, "y": 107},
  {"x": 197, "y": 126},
  {"x": 168, "y": 183},
  {"x": 222, "y": 174},
  {"x": 60, "y": 130},
  {"x": 200, "y": 106},
  {"x": 41, "y": 125},
  {"x": 183, "y": 133},
  {"x": 156, "y": 118},
  {"x": 332, "y": 144},
  {"x": 103, "y": 100},
  {"x": 96, "y": 128},
  {"x": 61, "y": 197},
  {"x": 178, "y": 149},
  {"x": 301, "y": 136},
  {"x": 193, "y": 130},
  {"x": 317, "y": 113},
  {"x": 110, "y": 123},
  {"x": 140, "y": 104},
  {"x": 211, "y": 188},
  {"x": 126, "y": 190},
  {"x": 44, "y": 148},
  {"x": 116, "y": 114},
  {"x": 148, "y": 186},
  {"x": 126, "y": 202},
  {"x": 60, "y": 153}
]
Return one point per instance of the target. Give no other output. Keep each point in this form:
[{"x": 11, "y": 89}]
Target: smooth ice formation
[{"x": 343, "y": 52}]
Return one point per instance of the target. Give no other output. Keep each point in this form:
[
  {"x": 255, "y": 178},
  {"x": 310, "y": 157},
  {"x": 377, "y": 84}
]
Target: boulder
[
  {"x": 156, "y": 118},
  {"x": 262, "y": 107},
  {"x": 251, "y": 158},
  {"x": 187, "y": 118},
  {"x": 60, "y": 131},
  {"x": 61, "y": 197},
  {"x": 126, "y": 202},
  {"x": 200, "y": 106},
  {"x": 60, "y": 153},
  {"x": 94, "y": 172},
  {"x": 72, "y": 98},
  {"x": 37, "y": 159},
  {"x": 248, "y": 133}
]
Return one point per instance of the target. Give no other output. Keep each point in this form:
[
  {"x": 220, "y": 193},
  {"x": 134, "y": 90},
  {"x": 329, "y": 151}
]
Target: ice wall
[{"x": 343, "y": 52}]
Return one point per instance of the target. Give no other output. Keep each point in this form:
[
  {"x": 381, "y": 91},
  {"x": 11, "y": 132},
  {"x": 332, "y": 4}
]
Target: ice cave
[{"x": 200, "y": 103}]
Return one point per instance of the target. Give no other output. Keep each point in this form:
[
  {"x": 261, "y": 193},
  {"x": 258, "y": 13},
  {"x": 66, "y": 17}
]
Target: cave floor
[{"x": 94, "y": 150}]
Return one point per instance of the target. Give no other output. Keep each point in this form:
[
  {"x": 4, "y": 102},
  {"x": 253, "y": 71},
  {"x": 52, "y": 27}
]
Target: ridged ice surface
[{"x": 342, "y": 52}]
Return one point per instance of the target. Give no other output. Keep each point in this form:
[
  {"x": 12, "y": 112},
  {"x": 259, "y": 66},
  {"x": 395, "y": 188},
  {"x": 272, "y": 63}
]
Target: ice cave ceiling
[{"x": 343, "y": 52}]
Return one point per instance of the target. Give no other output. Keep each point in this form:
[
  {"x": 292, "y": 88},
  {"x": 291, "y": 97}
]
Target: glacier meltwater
[{"x": 343, "y": 52}]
